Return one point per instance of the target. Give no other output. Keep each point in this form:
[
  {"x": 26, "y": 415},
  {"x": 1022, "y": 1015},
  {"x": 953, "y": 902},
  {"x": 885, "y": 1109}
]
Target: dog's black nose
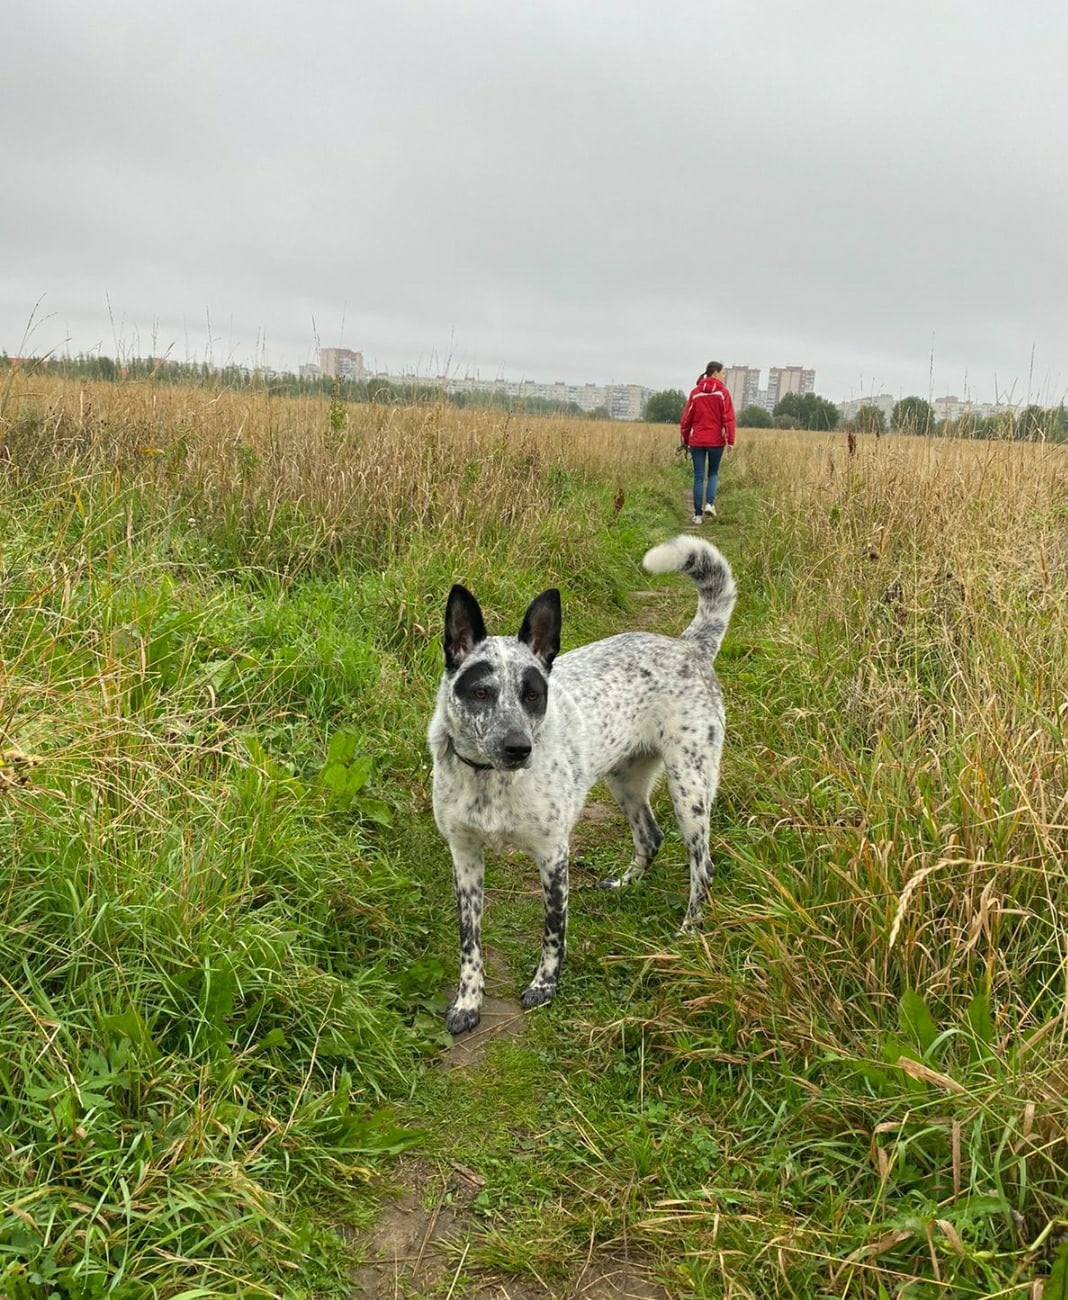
[{"x": 516, "y": 748}]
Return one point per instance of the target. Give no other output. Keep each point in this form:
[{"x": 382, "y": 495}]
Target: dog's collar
[{"x": 478, "y": 767}]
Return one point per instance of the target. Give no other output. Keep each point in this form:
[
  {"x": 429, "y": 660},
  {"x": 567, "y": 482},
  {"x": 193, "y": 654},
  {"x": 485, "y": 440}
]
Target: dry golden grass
[
  {"x": 398, "y": 462},
  {"x": 923, "y": 587},
  {"x": 294, "y": 484}
]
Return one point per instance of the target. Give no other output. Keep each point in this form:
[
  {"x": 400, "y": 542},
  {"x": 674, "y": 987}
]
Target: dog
[{"x": 519, "y": 736}]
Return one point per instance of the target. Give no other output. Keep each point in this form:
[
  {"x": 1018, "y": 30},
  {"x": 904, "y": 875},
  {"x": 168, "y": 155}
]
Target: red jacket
[{"x": 708, "y": 420}]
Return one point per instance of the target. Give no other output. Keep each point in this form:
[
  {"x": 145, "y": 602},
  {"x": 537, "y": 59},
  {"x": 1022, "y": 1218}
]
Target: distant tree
[
  {"x": 785, "y": 422},
  {"x": 103, "y": 368},
  {"x": 599, "y": 413},
  {"x": 810, "y": 411},
  {"x": 665, "y": 407},
  {"x": 820, "y": 413},
  {"x": 913, "y": 415},
  {"x": 869, "y": 419},
  {"x": 968, "y": 425},
  {"x": 754, "y": 417},
  {"x": 1036, "y": 424},
  {"x": 1029, "y": 423}
]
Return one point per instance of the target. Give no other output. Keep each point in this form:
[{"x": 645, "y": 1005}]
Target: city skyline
[
  {"x": 127, "y": 338},
  {"x": 746, "y": 382},
  {"x": 623, "y": 399},
  {"x": 799, "y": 378}
]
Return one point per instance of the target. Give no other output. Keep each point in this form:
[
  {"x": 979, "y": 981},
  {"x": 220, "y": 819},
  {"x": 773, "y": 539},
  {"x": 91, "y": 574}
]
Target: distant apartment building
[
  {"x": 744, "y": 385},
  {"x": 341, "y": 363},
  {"x": 743, "y": 382},
  {"x": 309, "y": 371},
  {"x": 626, "y": 401},
  {"x": 789, "y": 379},
  {"x": 621, "y": 401},
  {"x": 881, "y": 401},
  {"x": 950, "y": 408},
  {"x": 955, "y": 408},
  {"x": 944, "y": 408}
]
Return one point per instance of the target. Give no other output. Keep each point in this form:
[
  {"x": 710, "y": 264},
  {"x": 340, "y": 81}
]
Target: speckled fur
[{"x": 518, "y": 737}]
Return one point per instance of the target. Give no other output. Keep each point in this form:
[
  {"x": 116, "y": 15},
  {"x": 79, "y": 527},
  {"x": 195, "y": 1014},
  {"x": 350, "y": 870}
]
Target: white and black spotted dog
[{"x": 516, "y": 748}]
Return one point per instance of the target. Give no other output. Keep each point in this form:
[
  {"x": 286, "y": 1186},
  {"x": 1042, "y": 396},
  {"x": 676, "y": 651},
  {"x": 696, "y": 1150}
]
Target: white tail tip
[{"x": 668, "y": 557}]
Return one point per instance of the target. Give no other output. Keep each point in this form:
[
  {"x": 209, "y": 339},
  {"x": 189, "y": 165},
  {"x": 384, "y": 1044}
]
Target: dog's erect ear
[
  {"x": 541, "y": 626},
  {"x": 464, "y": 626}
]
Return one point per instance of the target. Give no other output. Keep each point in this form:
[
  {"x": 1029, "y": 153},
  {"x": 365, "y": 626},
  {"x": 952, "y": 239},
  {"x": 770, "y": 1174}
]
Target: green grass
[{"x": 226, "y": 916}]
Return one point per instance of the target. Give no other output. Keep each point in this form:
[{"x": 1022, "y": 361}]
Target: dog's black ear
[
  {"x": 541, "y": 626},
  {"x": 465, "y": 627}
]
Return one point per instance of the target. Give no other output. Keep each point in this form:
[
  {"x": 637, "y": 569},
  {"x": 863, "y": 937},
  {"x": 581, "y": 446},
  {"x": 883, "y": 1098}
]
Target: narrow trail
[
  {"x": 417, "y": 1244},
  {"x": 420, "y": 1242},
  {"x": 429, "y": 1222}
]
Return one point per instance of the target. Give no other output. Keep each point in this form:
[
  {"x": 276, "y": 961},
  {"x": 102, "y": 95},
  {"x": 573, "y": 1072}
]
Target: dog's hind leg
[
  {"x": 469, "y": 876},
  {"x": 542, "y": 988},
  {"x": 693, "y": 789},
  {"x": 631, "y": 784}
]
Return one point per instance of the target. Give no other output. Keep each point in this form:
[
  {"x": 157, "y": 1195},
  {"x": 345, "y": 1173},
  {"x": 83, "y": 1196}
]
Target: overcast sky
[{"x": 550, "y": 189}]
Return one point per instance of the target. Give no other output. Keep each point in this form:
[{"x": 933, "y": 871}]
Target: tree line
[
  {"x": 380, "y": 390},
  {"x": 912, "y": 415}
]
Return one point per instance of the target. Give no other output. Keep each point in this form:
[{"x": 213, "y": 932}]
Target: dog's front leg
[
  {"x": 469, "y": 875},
  {"x": 542, "y": 988}
]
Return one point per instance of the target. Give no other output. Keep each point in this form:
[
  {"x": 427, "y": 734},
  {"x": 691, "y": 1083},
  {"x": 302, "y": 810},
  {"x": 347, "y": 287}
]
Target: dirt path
[{"x": 419, "y": 1246}]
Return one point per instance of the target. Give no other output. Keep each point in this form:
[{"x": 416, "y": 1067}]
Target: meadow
[{"x": 226, "y": 925}]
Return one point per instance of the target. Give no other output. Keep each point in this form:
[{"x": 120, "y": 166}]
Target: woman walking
[{"x": 706, "y": 428}]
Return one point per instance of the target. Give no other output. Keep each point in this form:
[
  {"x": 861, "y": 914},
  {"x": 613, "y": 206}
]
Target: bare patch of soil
[
  {"x": 417, "y": 1250},
  {"x": 418, "y": 1247},
  {"x": 600, "y": 813},
  {"x": 501, "y": 1018},
  {"x": 605, "y": 1278}
]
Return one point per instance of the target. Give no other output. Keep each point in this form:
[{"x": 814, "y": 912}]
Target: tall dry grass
[
  {"x": 891, "y": 934},
  {"x": 918, "y": 608},
  {"x": 368, "y": 476}
]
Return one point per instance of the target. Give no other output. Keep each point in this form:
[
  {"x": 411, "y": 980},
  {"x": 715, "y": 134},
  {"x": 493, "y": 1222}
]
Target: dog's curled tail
[{"x": 711, "y": 573}]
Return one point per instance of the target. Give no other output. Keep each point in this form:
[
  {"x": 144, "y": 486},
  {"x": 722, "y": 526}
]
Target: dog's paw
[
  {"x": 458, "y": 1020},
  {"x": 536, "y": 995},
  {"x": 613, "y": 882}
]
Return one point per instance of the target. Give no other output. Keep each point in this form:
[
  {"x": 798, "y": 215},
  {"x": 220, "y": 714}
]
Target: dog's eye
[
  {"x": 531, "y": 697},
  {"x": 480, "y": 693}
]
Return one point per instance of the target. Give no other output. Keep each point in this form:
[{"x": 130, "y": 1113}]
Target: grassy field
[{"x": 226, "y": 919}]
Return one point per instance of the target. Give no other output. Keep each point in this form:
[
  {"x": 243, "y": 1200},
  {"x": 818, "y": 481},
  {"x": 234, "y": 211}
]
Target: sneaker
[
  {"x": 710, "y": 509},
  {"x": 695, "y": 520}
]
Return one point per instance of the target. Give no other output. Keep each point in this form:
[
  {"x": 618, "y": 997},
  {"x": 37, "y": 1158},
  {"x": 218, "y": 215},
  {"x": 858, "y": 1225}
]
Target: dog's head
[{"x": 497, "y": 687}]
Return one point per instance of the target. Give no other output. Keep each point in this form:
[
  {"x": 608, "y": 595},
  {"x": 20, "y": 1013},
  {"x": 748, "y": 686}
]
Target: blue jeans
[{"x": 702, "y": 456}]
